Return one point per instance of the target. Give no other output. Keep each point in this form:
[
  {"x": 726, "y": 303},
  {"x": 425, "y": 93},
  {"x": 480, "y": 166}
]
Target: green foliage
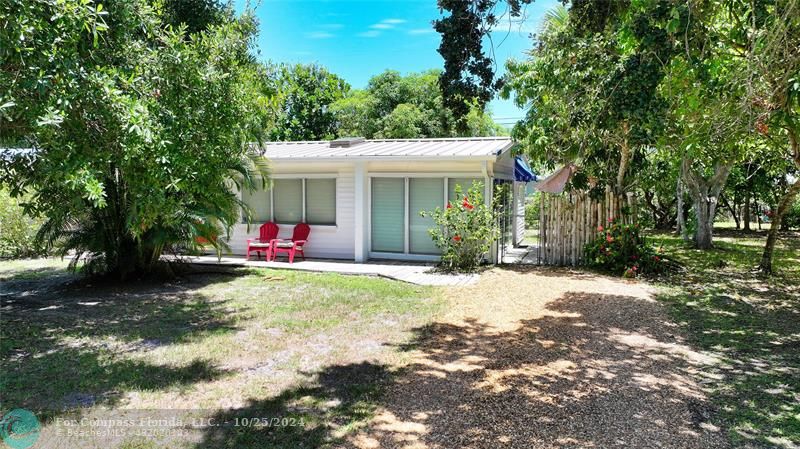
[
  {"x": 402, "y": 122},
  {"x": 411, "y": 106},
  {"x": 17, "y": 229},
  {"x": 591, "y": 95},
  {"x": 137, "y": 128},
  {"x": 464, "y": 230},
  {"x": 620, "y": 249},
  {"x": 305, "y": 93},
  {"x": 532, "y": 209},
  {"x": 469, "y": 73},
  {"x": 195, "y": 15},
  {"x": 792, "y": 218}
]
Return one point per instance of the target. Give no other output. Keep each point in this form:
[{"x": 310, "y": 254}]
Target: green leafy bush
[
  {"x": 464, "y": 230},
  {"x": 532, "y": 211},
  {"x": 791, "y": 219},
  {"x": 17, "y": 230},
  {"x": 620, "y": 249}
]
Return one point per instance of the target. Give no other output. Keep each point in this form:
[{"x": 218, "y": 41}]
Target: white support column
[
  {"x": 361, "y": 209},
  {"x": 488, "y": 193}
]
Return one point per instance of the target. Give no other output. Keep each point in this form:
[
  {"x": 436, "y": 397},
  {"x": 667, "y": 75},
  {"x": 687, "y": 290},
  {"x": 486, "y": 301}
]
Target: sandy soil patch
[{"x": 539, "y": 358}]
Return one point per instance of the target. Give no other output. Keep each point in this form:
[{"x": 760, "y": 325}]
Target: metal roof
[{"x": 482, "y": 148}]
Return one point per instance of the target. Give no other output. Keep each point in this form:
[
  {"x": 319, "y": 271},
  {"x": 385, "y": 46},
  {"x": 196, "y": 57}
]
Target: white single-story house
[{"x": 362, "y": 198}]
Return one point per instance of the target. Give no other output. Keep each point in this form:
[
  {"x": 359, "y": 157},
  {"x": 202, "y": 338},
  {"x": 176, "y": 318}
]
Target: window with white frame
[{"x": 293, "y": 200}]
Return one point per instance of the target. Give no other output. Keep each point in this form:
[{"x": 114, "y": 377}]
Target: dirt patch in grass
[{"x": 534, "y": 358}]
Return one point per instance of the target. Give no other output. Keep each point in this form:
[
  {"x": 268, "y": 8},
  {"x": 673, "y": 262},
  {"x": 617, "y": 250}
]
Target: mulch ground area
[{"x": 548, "y": 359}]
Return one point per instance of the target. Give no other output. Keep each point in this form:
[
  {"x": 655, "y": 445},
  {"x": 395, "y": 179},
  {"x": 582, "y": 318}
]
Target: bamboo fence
[{"x": 568, "y": 221}]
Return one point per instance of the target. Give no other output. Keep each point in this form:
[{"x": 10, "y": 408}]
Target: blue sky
[{"x": 359, "y": 39}]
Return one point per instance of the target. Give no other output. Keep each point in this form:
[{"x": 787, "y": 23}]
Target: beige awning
[{"x": 556, "y": 182}]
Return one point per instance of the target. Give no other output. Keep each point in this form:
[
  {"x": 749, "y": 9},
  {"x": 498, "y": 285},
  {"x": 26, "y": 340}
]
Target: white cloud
[
  {"x": 371, "y": 33},
  {"x": 421, "y": 31},
  {"x": 320, "y": 35},
  {"x": 385, "y": 24},
  {"x": 332, "y": 26}
]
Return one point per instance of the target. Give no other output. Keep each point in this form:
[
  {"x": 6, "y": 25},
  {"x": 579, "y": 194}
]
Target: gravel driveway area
[{"x": 541, "y": 358}]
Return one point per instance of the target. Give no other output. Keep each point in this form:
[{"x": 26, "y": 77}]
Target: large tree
[
  {"x": 134, "y": 129},
  {"x": 305, "y": 93},
  {"x": 397, "y": 106},
  {"x": 769, "y": 36},
  {"x": 591, "y": 95}
]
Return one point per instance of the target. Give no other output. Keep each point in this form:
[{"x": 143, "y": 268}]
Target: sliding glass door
[
  {"x": 424, "y": 194},
  {"x": 388, "y": 215},
  {"x": 396, "y": 224}
]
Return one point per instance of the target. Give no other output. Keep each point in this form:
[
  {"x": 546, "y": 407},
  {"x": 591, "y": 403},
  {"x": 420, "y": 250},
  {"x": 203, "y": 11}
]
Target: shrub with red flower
[
  {"x": 465, "y": 230},
  {"x": 466, "y": 204},
  {"x": 620, "y": 249}
]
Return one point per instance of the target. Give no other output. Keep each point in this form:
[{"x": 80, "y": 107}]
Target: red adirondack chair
[
  {"x": 294, "y": 245},
  {"x": 263, "y": 244}
]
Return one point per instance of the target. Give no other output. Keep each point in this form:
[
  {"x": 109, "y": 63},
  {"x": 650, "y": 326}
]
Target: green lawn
[
  {"x": 265, "y": 343},
  {"x": 752, "y": 322},
  {"x": 318, "y": 349}
]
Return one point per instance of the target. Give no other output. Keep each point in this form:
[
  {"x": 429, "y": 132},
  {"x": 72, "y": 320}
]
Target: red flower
[
  {"x": 600, "y": 228},
  {"x": 635, "y": 268},
  {"x": 634, "y": 257},
  {"x": 610, "y": 219},
  {"x": 467, "y": 205},
  {"x": 609, "y": 239},
  {"x": 449, "y": 204},
  {"x": 656, "y": 258},
  {"x": 457, "y": 238}
]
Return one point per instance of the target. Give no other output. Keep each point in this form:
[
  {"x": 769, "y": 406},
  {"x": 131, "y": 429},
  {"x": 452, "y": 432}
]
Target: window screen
[
  {"x": 321, "y": 201},
  {"x": 258, "y": 201},
  {"x": 465, "y": 183},
  {"x": 388, "y": 215},
  {"x": 288, "y": 197},
  {"x": 424, "y": 194}
]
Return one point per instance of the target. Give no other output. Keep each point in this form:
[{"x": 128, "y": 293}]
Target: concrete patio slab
[{"x": 414, "y": 273}]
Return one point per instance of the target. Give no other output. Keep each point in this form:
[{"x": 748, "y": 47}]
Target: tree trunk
[
  {"x": 731, "y": 209},
  {"x": 746, "y": 217},
  {"x": 704, "y": 195},
  {"x": 704, "y": 210},
  {"x": 624, "y": 159},
  {"x": 758, "y": 214},
  {"x": 777, "y": 217},
  {"x": 680, "y": 225}
]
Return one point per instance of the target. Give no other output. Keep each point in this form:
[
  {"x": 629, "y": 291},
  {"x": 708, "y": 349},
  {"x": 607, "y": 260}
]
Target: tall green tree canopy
[
  {"x": 396, "y": 106},
  {"x": 591, "y": 95},
  {"x": 697, "y": 88},
  {"x": 136, "y": 126},
  {"x": 305, "y": 93}
]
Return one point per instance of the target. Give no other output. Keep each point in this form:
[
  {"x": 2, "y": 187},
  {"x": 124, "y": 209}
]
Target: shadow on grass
[
  {"x": 592, "y": 371},
  {"x": 753, "y": 322},
  {"x": 758, "y": 384},
  {"x": 65, "y": 346},
  {"x": 332, "y": 403}
]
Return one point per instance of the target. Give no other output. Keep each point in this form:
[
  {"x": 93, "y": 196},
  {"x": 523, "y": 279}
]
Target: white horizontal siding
[
  {"x": 329, "y": 242},
  {"x": 338, "y": 242},
  {"x": 503, "y": 167}
]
